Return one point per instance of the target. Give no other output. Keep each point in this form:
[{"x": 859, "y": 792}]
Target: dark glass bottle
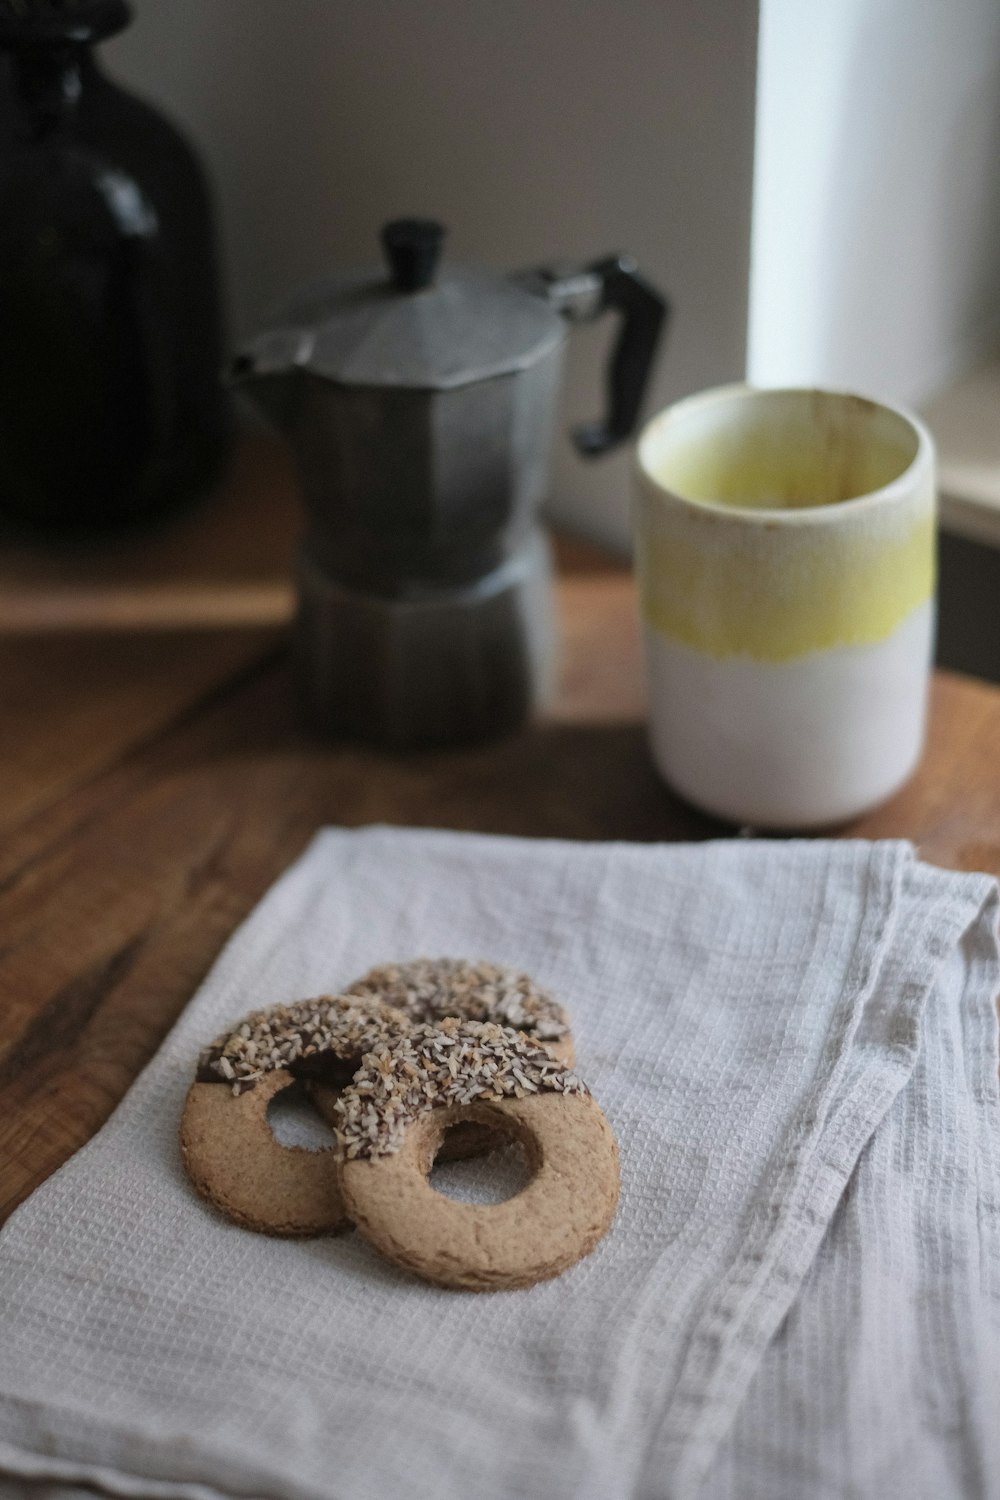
[{"x": 111, "y": 403}]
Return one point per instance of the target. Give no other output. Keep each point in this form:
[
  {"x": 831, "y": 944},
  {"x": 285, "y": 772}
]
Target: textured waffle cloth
[{"x": 796, "y": 1045}]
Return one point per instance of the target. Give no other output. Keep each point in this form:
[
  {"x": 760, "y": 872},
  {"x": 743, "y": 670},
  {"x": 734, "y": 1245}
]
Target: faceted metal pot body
[
  {"x": 409, "y": 490},
  {"x": 420, "y": 407},
  {"x": 424, "y": 582}
]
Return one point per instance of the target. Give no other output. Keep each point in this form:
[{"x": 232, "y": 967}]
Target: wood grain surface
[
  {"x": 148, "y": 805},
  {"x": 224, "y": 561},
  {"x": 73, "y": 705}
]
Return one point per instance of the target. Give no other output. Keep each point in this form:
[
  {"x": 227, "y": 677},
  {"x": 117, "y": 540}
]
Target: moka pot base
[{"x": 436, "y": 666}]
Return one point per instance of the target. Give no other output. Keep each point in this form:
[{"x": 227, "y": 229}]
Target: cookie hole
[
  {"x": 493, "y": 1178},
  {"x": 295, "y": 1122}
]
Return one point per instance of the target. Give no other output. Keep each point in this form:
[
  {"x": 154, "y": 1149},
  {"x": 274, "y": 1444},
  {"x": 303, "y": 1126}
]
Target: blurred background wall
[
  {"x": 535, "y": 129},
  {"x": 876, "y": 236},
  {"x": 541, "y": 129}
]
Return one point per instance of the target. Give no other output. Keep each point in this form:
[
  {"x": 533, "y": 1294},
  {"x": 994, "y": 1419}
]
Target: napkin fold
[{"x": 796, "y": 1046}]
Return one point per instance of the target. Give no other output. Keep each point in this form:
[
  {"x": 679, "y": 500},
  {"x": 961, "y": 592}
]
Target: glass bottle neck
[{"x": 47, "y": 83}]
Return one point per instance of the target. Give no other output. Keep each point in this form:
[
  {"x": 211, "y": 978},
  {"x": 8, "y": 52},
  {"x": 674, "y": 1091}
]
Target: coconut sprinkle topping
[
  {"x": 454, "y": 1062},
  {"x": 307, "y": 1037},
  {"x": 428, "y": 989}
]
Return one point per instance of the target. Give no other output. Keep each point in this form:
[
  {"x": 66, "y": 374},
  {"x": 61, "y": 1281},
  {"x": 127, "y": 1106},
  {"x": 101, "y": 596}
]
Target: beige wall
[
  {"x": 876, "y": 247},
  {"x": 534, "y": 128}
]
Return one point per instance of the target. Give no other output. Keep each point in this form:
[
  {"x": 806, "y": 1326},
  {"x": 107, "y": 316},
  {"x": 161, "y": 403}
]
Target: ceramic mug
[{"x": 786, "y": 569}]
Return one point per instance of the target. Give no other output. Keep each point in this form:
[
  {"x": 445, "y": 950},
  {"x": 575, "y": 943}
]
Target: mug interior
[{"x": 777, "y": 450}]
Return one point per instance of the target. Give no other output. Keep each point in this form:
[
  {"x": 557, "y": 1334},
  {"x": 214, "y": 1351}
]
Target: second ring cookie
[{"x": 430, "y": 989}]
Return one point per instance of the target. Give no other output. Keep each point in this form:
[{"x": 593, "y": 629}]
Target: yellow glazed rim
[
  {"x": 774, "y": 584},
  {"x": 812, "y": 515}
]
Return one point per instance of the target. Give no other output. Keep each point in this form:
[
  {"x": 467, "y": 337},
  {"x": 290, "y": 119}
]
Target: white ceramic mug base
[{"x": 798, "y": 745}]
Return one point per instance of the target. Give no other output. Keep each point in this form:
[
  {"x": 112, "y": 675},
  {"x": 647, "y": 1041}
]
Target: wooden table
[{"x": 155, "y": 779}]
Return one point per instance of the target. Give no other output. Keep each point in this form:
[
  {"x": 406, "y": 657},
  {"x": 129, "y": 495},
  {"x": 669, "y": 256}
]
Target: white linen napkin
[{"x": 753, "y": 1018}]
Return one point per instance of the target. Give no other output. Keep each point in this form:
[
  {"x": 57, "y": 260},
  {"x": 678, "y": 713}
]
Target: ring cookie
[
  {"x": 227, "y": 1145},
  {"x": 390, "y": 1123},
  {"x": 430, "y": 989}
]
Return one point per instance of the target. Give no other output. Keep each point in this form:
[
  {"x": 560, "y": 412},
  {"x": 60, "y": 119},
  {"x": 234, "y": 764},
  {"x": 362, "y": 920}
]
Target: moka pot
[{"x": 420, "y": 403}]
